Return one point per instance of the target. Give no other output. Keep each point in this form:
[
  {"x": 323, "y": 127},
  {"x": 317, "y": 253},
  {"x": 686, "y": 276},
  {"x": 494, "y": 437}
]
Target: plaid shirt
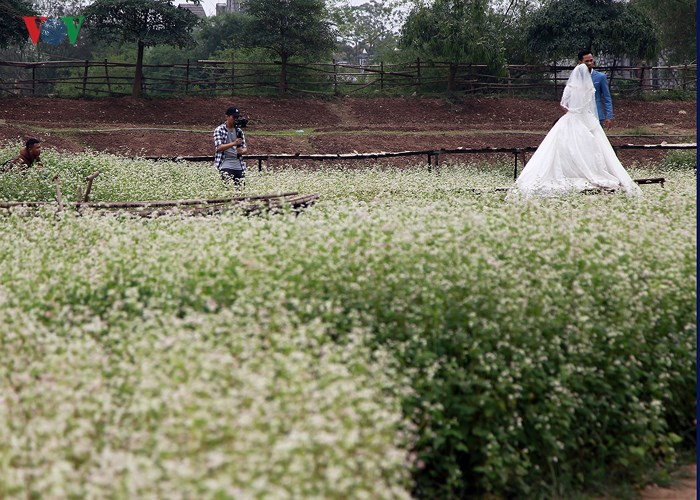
[{"x": 221, "y": 137}]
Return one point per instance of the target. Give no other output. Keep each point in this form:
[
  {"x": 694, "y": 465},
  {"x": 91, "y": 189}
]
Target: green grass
[
  {"x": 662, "y": 95},
  {"x": 403, "y": 336}
]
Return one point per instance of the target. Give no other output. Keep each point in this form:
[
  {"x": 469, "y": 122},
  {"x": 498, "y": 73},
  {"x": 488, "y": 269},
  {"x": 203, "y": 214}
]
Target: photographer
[{"x": 230, "y": 145}]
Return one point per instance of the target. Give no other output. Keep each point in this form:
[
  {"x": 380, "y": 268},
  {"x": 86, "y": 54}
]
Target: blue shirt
[{"x": 602, "y": 95}]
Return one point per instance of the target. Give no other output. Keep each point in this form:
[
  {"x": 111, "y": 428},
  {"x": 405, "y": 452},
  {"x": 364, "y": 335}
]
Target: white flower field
[{"x": 404, "y": 336}]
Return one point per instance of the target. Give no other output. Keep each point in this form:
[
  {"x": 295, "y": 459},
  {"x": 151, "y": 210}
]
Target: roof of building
[{"x": 197, "y": 10}]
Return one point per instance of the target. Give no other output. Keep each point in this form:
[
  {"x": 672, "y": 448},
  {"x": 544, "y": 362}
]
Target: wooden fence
[
  {"x": 433, "y": 155},
  {"x": 207, "y": 77}
]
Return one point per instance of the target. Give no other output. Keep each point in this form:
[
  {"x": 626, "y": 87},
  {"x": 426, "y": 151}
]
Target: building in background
[
  {"x": 197, "y": 10},
  {"x": 230, "y": 6}
]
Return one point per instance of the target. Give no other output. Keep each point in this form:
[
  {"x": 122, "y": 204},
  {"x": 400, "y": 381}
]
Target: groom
[{"x": 602, "y": 92}]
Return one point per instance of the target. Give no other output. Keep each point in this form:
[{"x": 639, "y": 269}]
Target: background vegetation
[{"x": 492, "y": 32}]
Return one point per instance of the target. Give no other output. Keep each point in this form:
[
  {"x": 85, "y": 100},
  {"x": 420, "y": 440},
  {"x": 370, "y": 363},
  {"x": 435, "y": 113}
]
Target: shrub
[
  {"x": 681, "y": 159},
  {"x": 402, "y": 324}
]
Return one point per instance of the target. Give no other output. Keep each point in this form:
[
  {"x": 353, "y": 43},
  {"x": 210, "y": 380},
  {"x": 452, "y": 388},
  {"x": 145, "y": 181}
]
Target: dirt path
[
  {"x": 181, "y": 127},
  {"x": 684, "y": 487}
]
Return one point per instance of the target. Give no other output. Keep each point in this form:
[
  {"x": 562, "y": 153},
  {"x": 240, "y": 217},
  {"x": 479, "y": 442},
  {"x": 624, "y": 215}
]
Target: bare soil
[
  {"x": 183, "y": 126},
  {"x": 683, "y": 488}
]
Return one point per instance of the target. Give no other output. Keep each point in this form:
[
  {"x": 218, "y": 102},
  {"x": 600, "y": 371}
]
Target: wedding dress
[{"x": 576, "y": 154}]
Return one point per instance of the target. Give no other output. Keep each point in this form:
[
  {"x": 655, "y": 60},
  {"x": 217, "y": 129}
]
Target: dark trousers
[{"x": 237, "y": 176}]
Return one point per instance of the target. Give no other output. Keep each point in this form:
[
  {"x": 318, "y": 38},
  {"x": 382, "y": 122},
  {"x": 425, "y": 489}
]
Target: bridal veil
[{"x": 576, "y": 154}]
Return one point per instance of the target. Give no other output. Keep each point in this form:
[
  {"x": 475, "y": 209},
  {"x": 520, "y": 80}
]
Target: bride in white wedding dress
[{"x": 576, "y": 154}]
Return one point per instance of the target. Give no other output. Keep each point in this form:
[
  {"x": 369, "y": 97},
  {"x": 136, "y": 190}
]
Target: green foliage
[
  {"x": 453, "y": 31},
  {"x": 146, "y": 22},
  {"x": 13, "y": 31},
  {"x": 222, "y": 32},
  {"x": 167, "y": 54},
  {"x": 526, "y": 350},
  {"x": 151, "y": 22},
  {"x": 510, "y": 20},
  {"x": 670, "y": 94},
  {"x": 561, "y": 29},
  {"x": 289, "y": 27},
  {"x": 56, "y": 8},
  {"x": 675, "y": 20},
  {"x": 364, "y": 27},
  {"x": 681, "y": 160},
  {"x": 121, "y": 78}
]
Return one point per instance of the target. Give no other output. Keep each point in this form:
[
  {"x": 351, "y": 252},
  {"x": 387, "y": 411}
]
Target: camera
[{"x": 240, "y": 122}]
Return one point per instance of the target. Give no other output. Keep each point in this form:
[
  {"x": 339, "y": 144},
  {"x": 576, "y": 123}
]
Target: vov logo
[{"x": 53, "y": 30}]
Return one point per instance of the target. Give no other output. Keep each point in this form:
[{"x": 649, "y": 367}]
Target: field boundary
[
  {"x": 230, "y": 77},
  {"x": 433, "y": 155}
]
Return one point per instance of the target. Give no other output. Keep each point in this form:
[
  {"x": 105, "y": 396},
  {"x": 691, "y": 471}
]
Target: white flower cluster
[{"x": 269, "y": 357}]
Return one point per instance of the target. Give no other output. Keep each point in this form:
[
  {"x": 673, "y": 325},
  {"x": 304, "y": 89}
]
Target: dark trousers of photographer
[{"x": 233, "y": 169}]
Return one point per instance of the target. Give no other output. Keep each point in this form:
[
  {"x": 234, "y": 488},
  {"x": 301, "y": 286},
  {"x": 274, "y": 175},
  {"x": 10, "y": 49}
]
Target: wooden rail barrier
[
  {"x": 334, "y": 78},
  {"x": 433, "y": 155},
  {"x": 153, "y": 208}
]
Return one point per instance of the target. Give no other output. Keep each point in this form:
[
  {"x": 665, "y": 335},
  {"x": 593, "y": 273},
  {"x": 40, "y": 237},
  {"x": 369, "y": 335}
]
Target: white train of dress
[{"x": 576, "y": 154}]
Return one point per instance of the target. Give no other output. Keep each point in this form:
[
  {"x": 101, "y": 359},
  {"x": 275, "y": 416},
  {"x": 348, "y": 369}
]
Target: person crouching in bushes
[
  {"x": 29, "y": 156},
  {"x": 230, "y": 145}
]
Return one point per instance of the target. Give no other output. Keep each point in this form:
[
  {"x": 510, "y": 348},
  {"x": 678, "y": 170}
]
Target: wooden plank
[
  {"x": 392, "y": 154},
  {"x": 148, "y": 204}
]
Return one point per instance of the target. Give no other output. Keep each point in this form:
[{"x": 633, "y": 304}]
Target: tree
[
  {"x": 225, "y": 31},
  {"x": 510, "y": 17},
  {"x": 560, "y": 29},
  {"x": 146, "y": 22},
  {"x": 453, "y": 30},
  {"x": 13, "y": 31},
  {"x": 56, "y": 8},
  {"x": 289, "y": 28},
  {"x": 676, "y": 23},
  {"x": 363, "y": 26}
]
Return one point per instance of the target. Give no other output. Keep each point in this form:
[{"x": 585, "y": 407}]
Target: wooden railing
[
  {"x": 433, "y": 155},
  {"x": 209, "y": 77}
]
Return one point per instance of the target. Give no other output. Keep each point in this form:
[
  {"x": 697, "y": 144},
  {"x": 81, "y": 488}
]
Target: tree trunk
[
  {"x": 612, "y": 71},
  {"x": 283, "y": 76},
  {"x": 138, "y": 75},
  {"x": 452, "y": 77}
]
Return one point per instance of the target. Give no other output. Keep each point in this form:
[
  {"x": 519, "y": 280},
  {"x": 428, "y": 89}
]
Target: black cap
[{"x": 233, "y": 112}]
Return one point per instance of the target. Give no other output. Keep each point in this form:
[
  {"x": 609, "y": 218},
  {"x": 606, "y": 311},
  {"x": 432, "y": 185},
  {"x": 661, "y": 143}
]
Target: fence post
[
  {"x": 612, "y": 72},
  {"x": 381, "y": 75},
  {"x": 335, "y": 78},
  {"x": 233, "y": 75},
  {"x": 187, "y": 77},
  {"x": 109, "y": 84},
  {"x": 685, "y": 69},
  {"x": 556, "y": 93},
  {"x": 418, "y": 71},
  {"x": 33, "y": 79},
  {"x": 510, "y": 90},
  {"x": 87, "y": 65},
  {"x": 641, "y": 79}
]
